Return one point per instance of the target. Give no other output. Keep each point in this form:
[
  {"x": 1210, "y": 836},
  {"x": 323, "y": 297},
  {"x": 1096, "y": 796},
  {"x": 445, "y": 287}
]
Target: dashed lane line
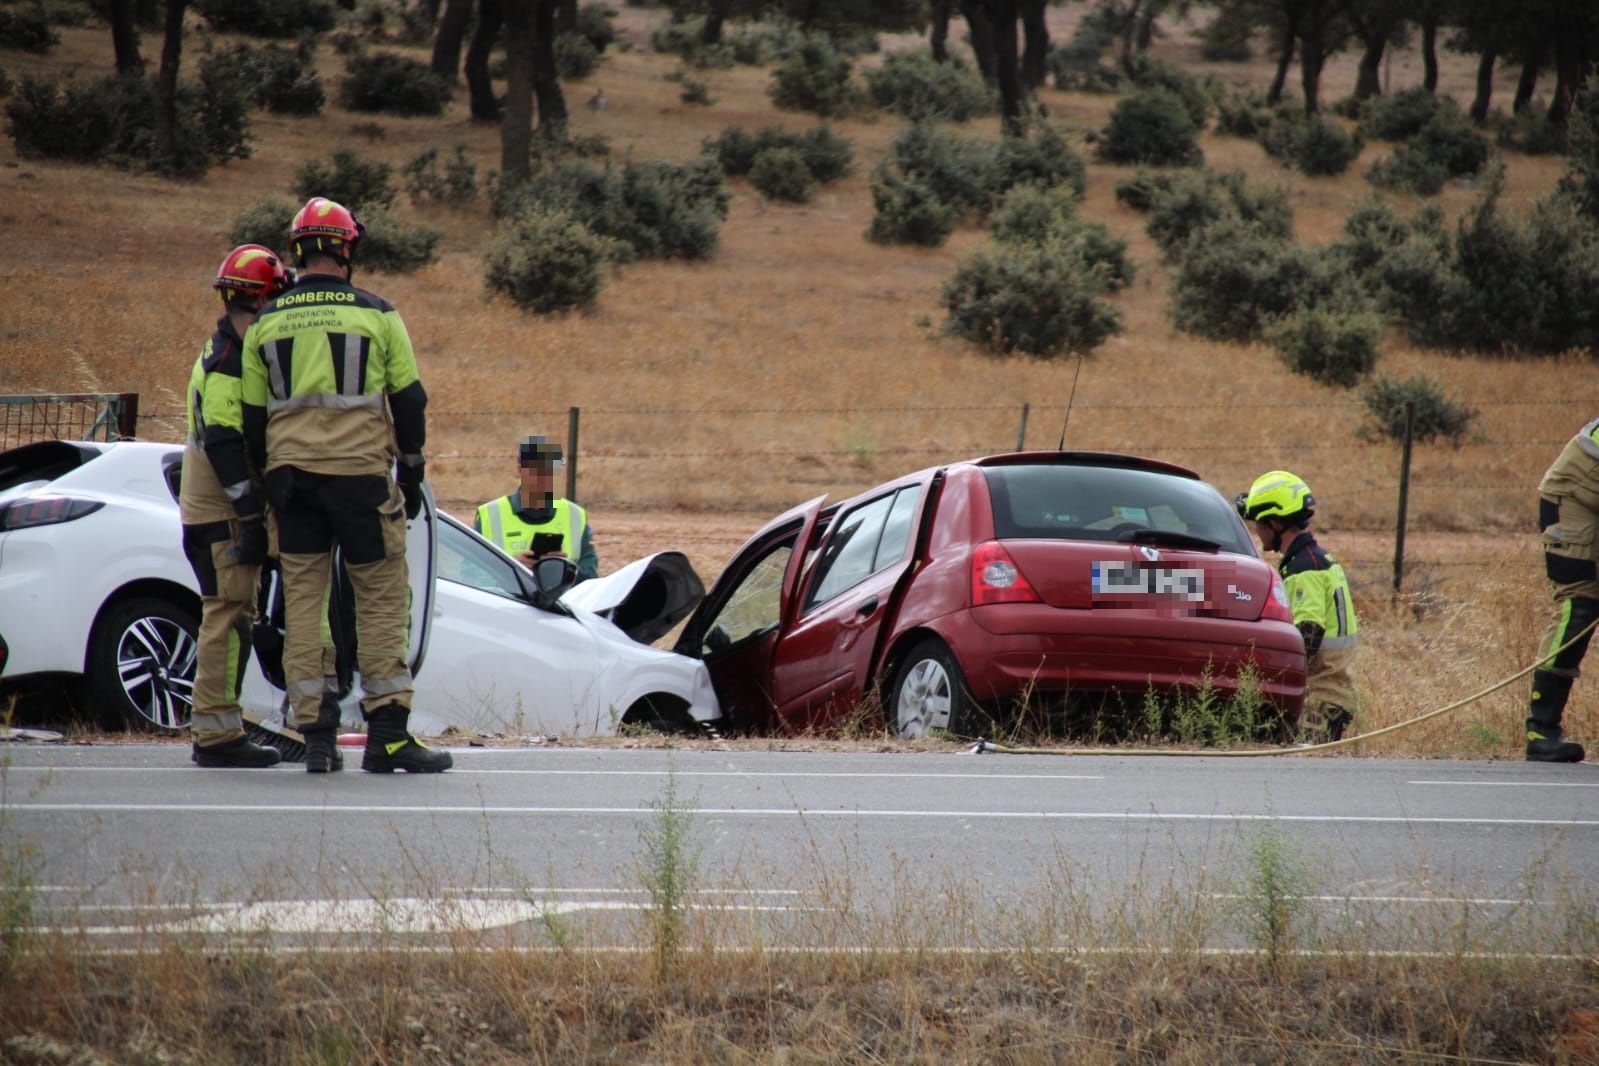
[{"x": 458, "y": 772}]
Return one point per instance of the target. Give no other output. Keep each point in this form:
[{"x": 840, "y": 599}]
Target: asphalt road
[{"x": 121, "y": 834}]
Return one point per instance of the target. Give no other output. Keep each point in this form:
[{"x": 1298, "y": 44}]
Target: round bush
[
  {"x": 265, "y": 222},
  {"x": 1042, "y": 300},
  {"x": 1398, "y": 117},
  {"x": 575, "y": 56},
  {"x": 1189, "y": 202},
  {"x": 827, "y": 156},
  {"x": 597, "y": 23},
  {"x": 350, "y": 180},
  {"x": 1139, "y": 191},
  {"x": 963, "y": 173},
  {"x": 383, "y": 81},
  {"x": 906, "y": 211},
  {"x": 1151, "y": 126},
  {"x": 1437, "y": 417},
  {"x": 1150, "y": 73},
  {"x": 392, "y": 246},
  {"x": 546, "y": 261},
  {"x": 781, "y": 174},
  {"x": 1333, "y": 347},
  {"x": 917, "y": 86},
  {"x": 1031, "y": 214},
  {"x": 26, "y": 31},
  {"x": 1316, "y": 146},
  {"x": 815, "y": 78},
  {"x": 1044, "y": 158},
  {"x": 1234, "y": 279}
]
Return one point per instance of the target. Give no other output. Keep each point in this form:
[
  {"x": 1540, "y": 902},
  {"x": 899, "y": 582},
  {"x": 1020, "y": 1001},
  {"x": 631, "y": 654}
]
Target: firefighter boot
[
  {"x": 390, "y": 747},
  {"x": 237, "y": 753},
  {"x": 1545, "y": 742},
  {"x": 322, "y": 739}
]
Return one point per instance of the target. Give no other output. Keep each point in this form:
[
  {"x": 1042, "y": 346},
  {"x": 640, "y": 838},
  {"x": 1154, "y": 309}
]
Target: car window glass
[
  {"x": 846, "y": 558},
  {"x": 897, "y": 530},
  {"x": 466, "y": 560},
  {"x": 755, "y": 605},
  {"x": 1069, "y": 502}
]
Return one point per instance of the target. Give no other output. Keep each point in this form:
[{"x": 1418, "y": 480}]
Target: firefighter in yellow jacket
[
  {"x": 532, "y": 522},
  {"x": 1280, "y": 506},
  {"x": 331, "y": 398},
  {"x": 1568, "y": 515},
  {"x": 224, "y": 518}
]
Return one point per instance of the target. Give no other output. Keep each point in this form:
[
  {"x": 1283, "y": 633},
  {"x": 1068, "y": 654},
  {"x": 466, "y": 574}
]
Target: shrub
[
  {"x": 1139, "y": 191},
  {"x": 695, "y": 92},
  {"x": 383, "y": 81},
  {"x": 816, "y": 78},
  {"x": 390, "y": 245},
  {"x": 1446, "y": 146},
  {"x": 1235, "y": 279},
  {"x": 72, "y": 120},
  {"x": 961, "y": 172},
  {"x": 1150, "y": 73},
  {"x": 575, "y": 56},
  {"x": 353, "y": 182},
  {"x": 1076, "y": 65},
  {"x": 1225, "y": 39},
  {"x": 781, "y": 174},
  {"x": 1317, "y": 146},
  {"x": 596, "y": 23},
  {"x": 1151, "y": 126},
  {"x": 1187, "y": 203},
  {"x": 906, "y": 211},
  {"x": 1437, "y": 417},
  {"x": 545, "y": 261},
  {"x": 1580, "y": 184},
  {"x": 278, "y": 79},
  {"x": 827, "y": 156},
  {"x": 1332, "y": 346},
  {"x": 1037, "y": 299},
  {"x": 268, "y": 18},
  {"x": 1244, "y": 114},
  {"x": 1533, "y": 134},
  {"x": 222, "y": 104},
  {"x": 1409, "y": 171},
  {"x": 265, "y": 222},
  {"x": 26, "y": 30},
  {"x": 917, "y": 86},
  {"x": 1398, "y": 117},
  {"x": 1044, "y": 158},
  {"x": 425, "y": 184},
  {"x": 650, "y": 209},
  {"x": 1031, "y": 214},
  {"x": 1105, "y": 254}
]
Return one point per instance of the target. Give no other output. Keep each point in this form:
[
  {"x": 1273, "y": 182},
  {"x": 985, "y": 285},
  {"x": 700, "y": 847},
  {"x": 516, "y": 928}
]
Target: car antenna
[{"x": 1069, "y": 399}]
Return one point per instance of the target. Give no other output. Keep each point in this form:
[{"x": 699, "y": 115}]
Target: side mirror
[{"x": 551, "y": 577}]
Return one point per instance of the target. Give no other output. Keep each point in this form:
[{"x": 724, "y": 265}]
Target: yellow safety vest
[{"x": 499, "y": 522}]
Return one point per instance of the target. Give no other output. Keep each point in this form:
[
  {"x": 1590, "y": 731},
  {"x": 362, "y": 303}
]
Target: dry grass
[{"x": 103, "y": 286}]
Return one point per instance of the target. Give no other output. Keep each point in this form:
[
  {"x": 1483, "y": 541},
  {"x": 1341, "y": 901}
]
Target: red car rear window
[{"x": 1074, "y": 502}]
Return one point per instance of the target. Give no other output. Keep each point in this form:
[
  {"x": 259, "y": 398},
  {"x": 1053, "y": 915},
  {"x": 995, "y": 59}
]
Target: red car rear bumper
[{"x": 1006, "y": 648}]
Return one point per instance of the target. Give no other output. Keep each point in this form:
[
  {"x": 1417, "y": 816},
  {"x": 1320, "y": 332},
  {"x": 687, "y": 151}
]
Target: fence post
[
  {"x": 1404, "y": 495},
  {"x": 127, "y": 416},
  {"x": 571, "y": 453},
  {"x": 1021, "y": 433}
]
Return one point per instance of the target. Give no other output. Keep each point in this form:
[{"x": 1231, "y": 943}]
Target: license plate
[{"x": 1183, "y": 583}]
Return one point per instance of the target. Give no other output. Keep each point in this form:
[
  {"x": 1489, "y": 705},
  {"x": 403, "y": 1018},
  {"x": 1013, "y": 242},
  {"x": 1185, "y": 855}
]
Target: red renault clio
[{"x": 960, "y": 588}]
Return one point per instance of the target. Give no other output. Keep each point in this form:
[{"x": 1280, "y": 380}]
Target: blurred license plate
[{"x": 1112, "y": 578}]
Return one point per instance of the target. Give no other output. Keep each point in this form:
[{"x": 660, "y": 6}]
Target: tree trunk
[
  {"x": 1485, "y": 86},
  {"x": 982, "y": 32},
  {"x": 566, "y": 17},
  {"x": 1312, "y": 56},
  {"x": 1568, "y": 76},
  {"x": 1002, "y": 17},
  {"x": 516, "y": 129},
  {"x": 1035, "y": 49},
  {"x": 939, "y": 34},
  {"x": 1527, "y": 84},
  {"x": 1429, "y": 50},
  {"x": 485, "y": 108},
  {"x": 711, "y": 32},
  {"x": 447, "y": 42},
  {"x": 1368, "y": 81},
  {"x": 125, "y": 37},
  {"x": 166, "y": 107},
  {"x": 546, "y": 80},
  {"x": 1285, "y": 58}
]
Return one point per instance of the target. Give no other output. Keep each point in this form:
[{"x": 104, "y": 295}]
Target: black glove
[
  {"x": 410, "y": 482},
  {"x": 252, "y": 547},
  {"x": 1312, "y": 634}
]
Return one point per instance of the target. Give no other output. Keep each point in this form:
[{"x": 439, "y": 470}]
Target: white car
[{"x": 94, "y": 586}]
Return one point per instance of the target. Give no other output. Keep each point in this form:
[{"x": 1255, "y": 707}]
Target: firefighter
[
  {"x": 331, "y": 399},
  {"x": 531, "y": 523},
  {"x": 1280, "y": 506},
  {"x": 1568, "y": 516},
  {"x": 224, "y": 517}
]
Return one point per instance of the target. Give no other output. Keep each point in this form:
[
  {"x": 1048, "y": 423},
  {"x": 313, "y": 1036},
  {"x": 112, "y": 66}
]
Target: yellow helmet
[{"x": 1276, "y": 494}]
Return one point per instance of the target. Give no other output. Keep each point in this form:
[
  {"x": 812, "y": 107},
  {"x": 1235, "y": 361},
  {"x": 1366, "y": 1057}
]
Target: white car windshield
[{"x": 466, "y": 560}]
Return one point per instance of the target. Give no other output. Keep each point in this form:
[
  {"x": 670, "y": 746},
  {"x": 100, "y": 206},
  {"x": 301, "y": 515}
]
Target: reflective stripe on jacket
[
  {"x": 499, "y": 522},
  {"x": 1318, "y": 591}
]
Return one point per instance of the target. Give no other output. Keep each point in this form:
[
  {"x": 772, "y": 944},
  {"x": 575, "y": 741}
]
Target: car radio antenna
[{"x": 1069, "y": 400}]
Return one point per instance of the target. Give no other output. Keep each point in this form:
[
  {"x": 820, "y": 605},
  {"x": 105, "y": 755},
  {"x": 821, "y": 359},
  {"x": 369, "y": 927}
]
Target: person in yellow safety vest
[
  {"x": 223, "y": 514},
  {"x": 531, "y": 523},
  {"x": 1280, "y": 506},
  {"x": 1568, "y": 517},
  {"x": 332, "y": 398}
]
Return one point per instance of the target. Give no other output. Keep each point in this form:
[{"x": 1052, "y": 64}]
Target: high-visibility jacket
[
  {"x": 319, "y": 363},
  {"x": 1319, "y": 594},
  {"x": 499, "y": 522},
  {"x": 216, "y": 478}
]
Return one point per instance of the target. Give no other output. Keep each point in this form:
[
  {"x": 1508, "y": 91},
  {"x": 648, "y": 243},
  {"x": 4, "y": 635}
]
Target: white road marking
[
  {"x": 1402, "y": 899},
  {"x": 608, "y": 773},
  {"x": 1511, "y": 784},
  {"x": 779, "y": 812}
]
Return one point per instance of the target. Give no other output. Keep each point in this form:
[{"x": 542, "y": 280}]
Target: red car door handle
[{"x": 867, "y": 606}]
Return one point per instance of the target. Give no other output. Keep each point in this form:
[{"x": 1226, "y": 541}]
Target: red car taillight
[
  {"x": 44, "y": 511},
  {"x": 1277, "y": 608},
  {"x": 997, "y": 579}
]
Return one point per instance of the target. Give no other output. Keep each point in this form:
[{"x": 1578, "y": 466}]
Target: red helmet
[
  {"x": 326, "y": 227},
  {"x": 251, "y": 270}
]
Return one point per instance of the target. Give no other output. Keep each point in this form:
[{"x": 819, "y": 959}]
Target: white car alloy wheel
[{"x": 155, "y": 661}]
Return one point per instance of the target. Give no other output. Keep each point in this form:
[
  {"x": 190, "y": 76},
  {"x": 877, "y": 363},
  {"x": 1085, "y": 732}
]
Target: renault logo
[{"x": 1148, "y": 553}]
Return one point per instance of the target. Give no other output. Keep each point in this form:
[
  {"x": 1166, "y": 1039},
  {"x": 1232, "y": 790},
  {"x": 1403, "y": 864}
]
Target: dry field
[{"x": 802, "y": 359}]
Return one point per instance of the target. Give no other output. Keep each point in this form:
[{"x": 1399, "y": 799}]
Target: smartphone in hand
[{"x": 546, "y": 543}]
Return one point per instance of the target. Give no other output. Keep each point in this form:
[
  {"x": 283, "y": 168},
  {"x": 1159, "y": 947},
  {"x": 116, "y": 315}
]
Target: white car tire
[{"x": 141, "y": 664}]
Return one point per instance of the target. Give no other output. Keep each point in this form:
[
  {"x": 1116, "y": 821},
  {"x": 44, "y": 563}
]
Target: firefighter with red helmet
[
  {"x": 223, "y": 512},
  {"x": 332, "y": 399}
]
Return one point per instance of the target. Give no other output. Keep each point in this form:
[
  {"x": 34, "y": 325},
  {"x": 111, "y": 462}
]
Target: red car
[{"x": 961, "y": 587}]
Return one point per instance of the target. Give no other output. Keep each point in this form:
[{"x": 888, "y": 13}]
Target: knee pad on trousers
[{"x": 1584, "y": 610}]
